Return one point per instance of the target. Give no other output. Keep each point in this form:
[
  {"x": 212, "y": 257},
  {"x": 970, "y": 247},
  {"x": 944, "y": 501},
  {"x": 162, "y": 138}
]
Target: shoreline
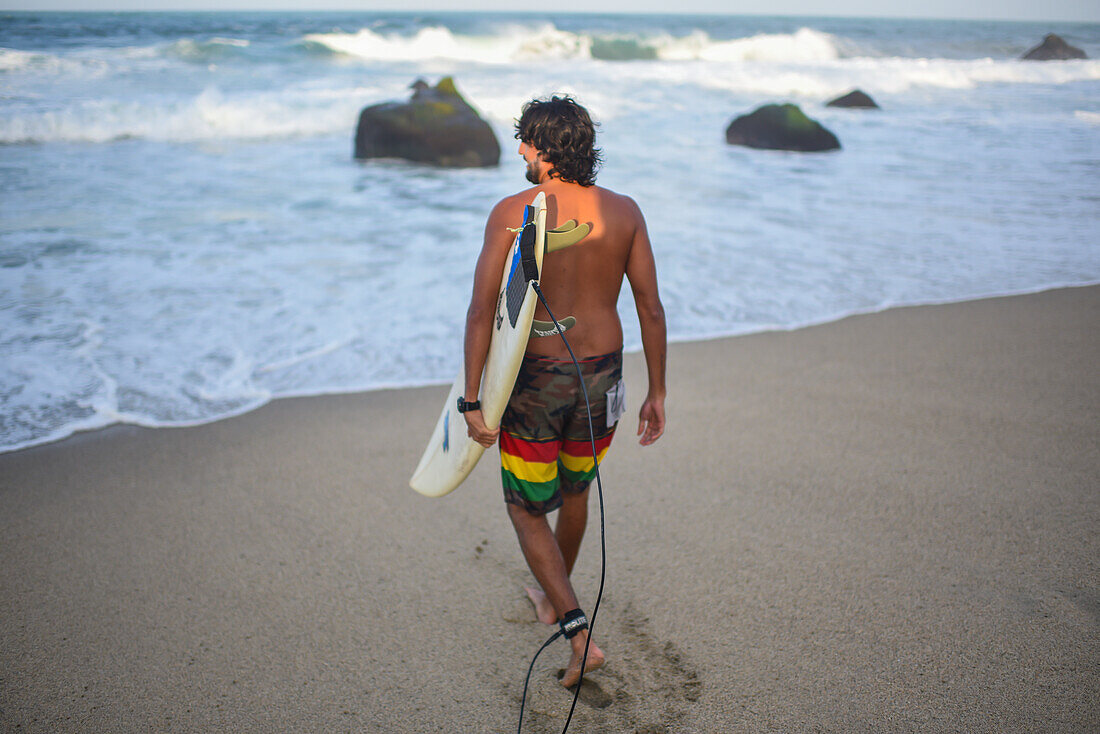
[
  {"x": 883, "y": 523},
  {"x": 691, "y": 339}
]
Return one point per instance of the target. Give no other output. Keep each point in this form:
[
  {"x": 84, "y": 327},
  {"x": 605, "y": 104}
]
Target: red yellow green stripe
[
  {"x": 579, "y": 464},
  {"x": 529, "y": 467},
  {"x": 580, "y": 449},
  {"x": 539, "y": 451},
  {"x": 533, "y": 491}
]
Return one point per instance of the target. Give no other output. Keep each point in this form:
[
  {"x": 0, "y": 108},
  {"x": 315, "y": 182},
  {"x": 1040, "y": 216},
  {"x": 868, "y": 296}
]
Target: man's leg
[
  {"x": 569, "y": 531},
  {"x": 544, "y": 557}
]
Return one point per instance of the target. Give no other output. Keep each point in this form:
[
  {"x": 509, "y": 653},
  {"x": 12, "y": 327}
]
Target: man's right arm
[
  {"x": 641, "y": 271},
  {"x": 479, "y": 316}
]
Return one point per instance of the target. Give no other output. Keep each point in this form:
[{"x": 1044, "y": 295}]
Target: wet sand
[{"x": 888, "y": 523}]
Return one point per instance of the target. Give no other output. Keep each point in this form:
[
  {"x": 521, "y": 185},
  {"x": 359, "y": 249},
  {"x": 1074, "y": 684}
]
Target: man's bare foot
[
  {"x": 573, "y": 671},
  {"x": 544, "y": 610}
]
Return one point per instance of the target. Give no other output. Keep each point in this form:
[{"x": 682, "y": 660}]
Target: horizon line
[{"x": 448, "y": 11}]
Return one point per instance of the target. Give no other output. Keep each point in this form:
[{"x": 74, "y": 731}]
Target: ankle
[{"x": 573, "y": 623}]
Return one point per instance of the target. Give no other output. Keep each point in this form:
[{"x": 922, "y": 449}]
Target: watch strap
[{"x": 466, "y": 406}]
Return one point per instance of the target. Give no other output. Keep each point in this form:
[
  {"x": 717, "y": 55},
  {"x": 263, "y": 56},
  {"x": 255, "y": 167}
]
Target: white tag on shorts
[{"x": 616, "y": 403}]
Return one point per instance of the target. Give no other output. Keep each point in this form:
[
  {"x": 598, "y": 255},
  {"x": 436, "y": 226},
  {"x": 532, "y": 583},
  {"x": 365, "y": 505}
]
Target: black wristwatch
[{"x": 464, "y": 405}]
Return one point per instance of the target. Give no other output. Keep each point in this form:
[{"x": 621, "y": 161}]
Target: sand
[{"x": 887, "y": 523}]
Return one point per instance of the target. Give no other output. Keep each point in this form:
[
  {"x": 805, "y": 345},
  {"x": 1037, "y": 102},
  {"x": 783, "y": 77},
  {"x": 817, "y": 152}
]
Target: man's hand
[
  {"x": 651, "y": 419},
  {"x": 475, "y": 428}
]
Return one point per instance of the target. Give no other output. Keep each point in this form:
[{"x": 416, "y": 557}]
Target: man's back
[{"x": 584, "y": 280}]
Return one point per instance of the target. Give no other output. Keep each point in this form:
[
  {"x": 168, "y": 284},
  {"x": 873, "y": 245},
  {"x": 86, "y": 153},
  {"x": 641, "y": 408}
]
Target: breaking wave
[
  {"x": 548, "y": 42},
  {"x": 215, "y": 49},
  {"x": 437, "y": 42},
  {"x": 210, "y": 115},
  {"x": 307, "y": 111}
]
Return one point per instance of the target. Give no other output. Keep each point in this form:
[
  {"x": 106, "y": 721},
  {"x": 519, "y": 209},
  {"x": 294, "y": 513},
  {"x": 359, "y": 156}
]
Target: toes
[{"x": 570, "y": 678}]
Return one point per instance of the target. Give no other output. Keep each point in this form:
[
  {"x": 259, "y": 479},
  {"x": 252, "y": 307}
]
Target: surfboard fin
[
  {"x": 559, "y": 239},
  {"x": 563, "y": 227},
  {"x": 547, "y": 328}
]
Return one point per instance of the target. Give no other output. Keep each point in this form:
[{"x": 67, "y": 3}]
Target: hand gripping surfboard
[{"x": 451, "y": 455}]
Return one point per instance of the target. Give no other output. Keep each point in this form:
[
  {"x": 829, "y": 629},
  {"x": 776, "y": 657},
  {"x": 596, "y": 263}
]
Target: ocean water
[{"x": 184, "y": 234}]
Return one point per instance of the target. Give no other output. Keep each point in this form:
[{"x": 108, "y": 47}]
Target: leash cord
[
  {"x": 603, "y": 540},
  {"x": 523, "y": 701}
]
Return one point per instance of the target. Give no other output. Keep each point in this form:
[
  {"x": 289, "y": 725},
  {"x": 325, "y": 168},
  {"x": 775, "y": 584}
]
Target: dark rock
[
  {"x": 1053, "y": 48},
  {"x": 856, "y": 99},
  {"x": 780, "y": 127},
  {"x": 436, "y": 126}
]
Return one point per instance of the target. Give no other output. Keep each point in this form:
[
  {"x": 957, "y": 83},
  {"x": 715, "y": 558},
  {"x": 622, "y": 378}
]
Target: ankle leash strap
[{"x": 573, "y": 622}]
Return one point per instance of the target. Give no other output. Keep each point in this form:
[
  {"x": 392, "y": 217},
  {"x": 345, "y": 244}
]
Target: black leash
[{"x": 603, "y": 541}]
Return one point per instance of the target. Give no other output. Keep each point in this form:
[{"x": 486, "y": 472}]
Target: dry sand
[{"x": 889, "y": 523}]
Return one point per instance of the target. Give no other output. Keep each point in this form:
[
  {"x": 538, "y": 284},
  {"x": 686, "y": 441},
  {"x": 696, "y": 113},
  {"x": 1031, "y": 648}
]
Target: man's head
[{"x": 564, "y": 135}]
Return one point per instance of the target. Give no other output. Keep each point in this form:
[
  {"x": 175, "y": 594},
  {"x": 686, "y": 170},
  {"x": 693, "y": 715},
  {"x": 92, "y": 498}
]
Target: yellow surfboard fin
[
  {"x": 558, "y": 239},
  {"x": 547, "y": 328}
]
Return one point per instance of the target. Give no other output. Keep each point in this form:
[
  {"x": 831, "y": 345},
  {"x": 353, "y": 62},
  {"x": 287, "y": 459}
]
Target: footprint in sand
[
  {"x": 591, "y": 693},
  {"x": 647, "y": 685}
]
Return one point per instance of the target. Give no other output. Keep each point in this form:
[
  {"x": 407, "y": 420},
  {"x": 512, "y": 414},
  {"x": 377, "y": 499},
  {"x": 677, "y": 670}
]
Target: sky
[{"x": 1052, "y": 10}]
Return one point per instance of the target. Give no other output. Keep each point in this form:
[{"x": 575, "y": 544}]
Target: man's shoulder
[
  {"x": 612, "y": 202},
  {"x": 616, "y": 196},
  {"x": 510, "y": 205}
]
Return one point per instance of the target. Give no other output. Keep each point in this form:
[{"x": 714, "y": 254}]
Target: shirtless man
[{"x": 545, "y": 448}]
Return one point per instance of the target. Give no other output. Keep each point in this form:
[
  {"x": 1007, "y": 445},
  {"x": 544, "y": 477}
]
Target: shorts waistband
[{"x": 555, "y": 360}]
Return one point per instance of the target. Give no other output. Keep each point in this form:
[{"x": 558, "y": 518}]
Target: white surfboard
[{"x": 451, "y": 455}]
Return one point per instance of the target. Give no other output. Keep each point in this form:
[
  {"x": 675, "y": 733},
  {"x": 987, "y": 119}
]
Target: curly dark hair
[{"x": 563, "y": 132}]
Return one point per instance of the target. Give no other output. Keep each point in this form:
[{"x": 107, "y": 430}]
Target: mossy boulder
[
  {"x": 780, "y": 127},
  {"x": 1054, "y": 48},
  {"x": 436, "y": 126},
  {"x": 854, "y": 99}
]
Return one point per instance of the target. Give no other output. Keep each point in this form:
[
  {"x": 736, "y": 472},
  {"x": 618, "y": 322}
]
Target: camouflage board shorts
[{"x": 545, "y": 446}]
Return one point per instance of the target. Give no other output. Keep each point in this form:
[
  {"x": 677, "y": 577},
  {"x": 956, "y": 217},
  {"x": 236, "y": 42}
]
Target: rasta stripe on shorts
[
  {"x": 575, "y": 459},
  {"x": 545, "y": 447},
  {"x": 532, "y": 468},
  {"x": 529, "y": 468}
]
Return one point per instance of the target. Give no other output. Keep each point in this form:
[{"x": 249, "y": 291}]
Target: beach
[{"x": 885, "y": 523}]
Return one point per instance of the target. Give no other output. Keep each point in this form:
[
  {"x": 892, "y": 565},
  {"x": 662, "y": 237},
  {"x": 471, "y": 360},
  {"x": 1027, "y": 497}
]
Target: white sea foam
[
  {"x": 885, "y": 75},
  {"x": 516, "y": 44},
  {"x": 806, "y": 45},
  {"x": 321, "y": 351},
  {"x": 202, "y": 51},
  {"x": 305, "y": 111},
  {"x": 1087, "y": 116},
  {"x": 38, "y": 64},
  {"x": 210, "y": 115},
  {"x": 12, "y": 59},
  {"x": 238, "y": 42}
]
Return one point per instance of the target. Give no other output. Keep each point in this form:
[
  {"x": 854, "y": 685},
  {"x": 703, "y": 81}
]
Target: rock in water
[
  {"x": 856, "y": 99},
  {"x": 1053, "y": 48},
  {"x": 780, "y": 127},
  {"x": 436, "y": 126}
]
